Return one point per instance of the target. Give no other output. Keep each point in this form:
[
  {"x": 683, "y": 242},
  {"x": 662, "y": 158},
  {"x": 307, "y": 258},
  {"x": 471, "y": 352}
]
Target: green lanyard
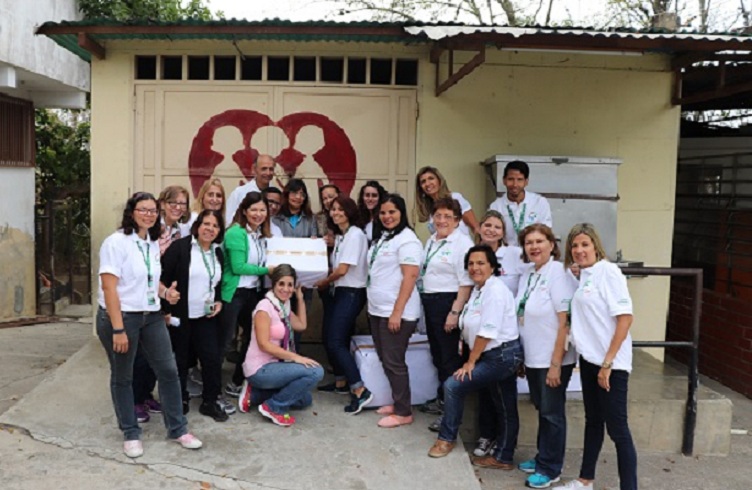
[
  {"x": 517, "y": 225},
  {"x": 338, "y": 241},
  {"x": 206, "y": 264},
  {"x": 147, "y": 261},
  {"x": 430, "y": 256},
  {"x": 528, "y": 291},
  {"x": 374, "y": 253},
  {"x": 470, "y": 301}
]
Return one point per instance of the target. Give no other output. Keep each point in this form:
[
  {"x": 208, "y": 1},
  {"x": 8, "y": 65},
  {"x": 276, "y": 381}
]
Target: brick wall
[{"x": 725, "y": 334}]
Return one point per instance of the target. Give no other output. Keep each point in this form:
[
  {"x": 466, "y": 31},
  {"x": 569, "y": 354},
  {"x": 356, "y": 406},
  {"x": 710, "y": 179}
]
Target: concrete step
[{"x": 657, "y": 400}]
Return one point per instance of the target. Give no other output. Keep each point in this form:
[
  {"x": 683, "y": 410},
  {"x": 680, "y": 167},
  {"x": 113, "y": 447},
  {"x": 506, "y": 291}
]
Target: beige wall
[{"x": 516, "y": 103}]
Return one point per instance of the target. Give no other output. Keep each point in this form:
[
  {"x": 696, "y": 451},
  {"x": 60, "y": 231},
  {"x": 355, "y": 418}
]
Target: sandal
[
  {"x": 385, "y": 410},
  {"x": 391, "y": 421}
]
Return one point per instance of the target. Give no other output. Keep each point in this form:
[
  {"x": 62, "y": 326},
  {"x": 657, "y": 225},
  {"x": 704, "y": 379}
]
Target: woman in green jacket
[{"x": 242, "y": 281}]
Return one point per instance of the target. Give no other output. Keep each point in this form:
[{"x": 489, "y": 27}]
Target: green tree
[{"x": 162, "y": 10}]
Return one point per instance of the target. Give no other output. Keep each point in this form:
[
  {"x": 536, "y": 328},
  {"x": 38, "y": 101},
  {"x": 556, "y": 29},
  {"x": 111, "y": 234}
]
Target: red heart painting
[{"x": 336, "y": 158}]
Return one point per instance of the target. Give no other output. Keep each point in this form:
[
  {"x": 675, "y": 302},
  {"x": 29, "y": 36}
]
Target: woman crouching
[
  {"x": 290, "y": 381},
  {"x": 488, "y": 326}
]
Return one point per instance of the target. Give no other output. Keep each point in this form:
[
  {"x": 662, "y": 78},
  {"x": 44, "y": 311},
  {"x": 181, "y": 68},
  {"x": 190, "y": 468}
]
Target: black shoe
[
  {"x": 358, "y": 402},
  {"x": 434, "y": 406},
  {"x": 333, "y": 388},
  {"x": 186, "y": 407},
  {"x": 214, "y": 411},
  {"x": 436, "y": 424}
]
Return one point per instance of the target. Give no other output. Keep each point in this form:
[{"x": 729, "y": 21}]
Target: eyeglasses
[
  {"x": 146, "y": 212},
  {"x": 177, "y": 204},
  {"x": 274, "y": 203}
]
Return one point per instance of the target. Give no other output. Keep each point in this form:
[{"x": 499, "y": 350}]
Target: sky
[{"x": 581, "y": 12}]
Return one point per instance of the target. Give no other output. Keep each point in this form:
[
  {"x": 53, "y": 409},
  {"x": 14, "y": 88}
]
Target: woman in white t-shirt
[
  {"x": 601, "y": 318},
  {"x": 510, "y": 257},
  {"x": 444, "y": 288},
  {"x": 430, "y": 185},
  {"x": 347, "y": 282},
  {"x": 542, "y": 304},
  {"x": 393, "y": 302},
  {"x": 129, "y": 315},
  {"x": 277, "y": 377},
  {"x": 494, "y": 353}
]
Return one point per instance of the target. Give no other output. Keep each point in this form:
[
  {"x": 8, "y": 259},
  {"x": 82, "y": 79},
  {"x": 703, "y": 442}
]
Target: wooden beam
[
  {"x": 466, "y": 69},
  {"x": 726, "y": 91},
  {"x": 85, "y": 41}
]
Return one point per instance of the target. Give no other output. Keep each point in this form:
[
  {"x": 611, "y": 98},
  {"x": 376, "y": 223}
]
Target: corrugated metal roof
[{"x": 101, "y": 30}]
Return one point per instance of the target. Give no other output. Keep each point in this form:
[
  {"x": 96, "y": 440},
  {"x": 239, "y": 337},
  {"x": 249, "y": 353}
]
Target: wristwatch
[{"x": 607, "y": 364}]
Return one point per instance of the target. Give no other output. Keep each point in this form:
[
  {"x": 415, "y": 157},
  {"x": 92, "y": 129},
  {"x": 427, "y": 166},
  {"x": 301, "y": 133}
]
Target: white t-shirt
[
  {"x": 550, "y": 292},
  {"x": 489, "y": 313},
  {"x": 256, "y": 256},
  {"x": 351, "y": 248},
  {"x": 384, "y": 260},
  {"x": 464, "y": 206},
  {"x": 120, "y": 256},
  {"x": 199, "y": 289},
  {"x": 601, "y": 296},
  {"x": 443, "y": 269},
  {"x": 534, "y": 208},
  {"x": 236, "y": 197},
  {"x": 510, "y": 260}
]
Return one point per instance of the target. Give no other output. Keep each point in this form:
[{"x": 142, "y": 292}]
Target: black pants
[
  {"x": 239, "y": 311},
  {"x": 197, "y": 338},
  {"x": 444, "y": 346}
]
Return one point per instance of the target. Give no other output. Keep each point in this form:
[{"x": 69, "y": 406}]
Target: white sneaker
[
  {"x": 133, "y": 449},
  {"x": 575, "y": 484},
  {"x": 483, "y": 447},
  {"x": 228, "y": 407},
  {"x": 189, "y": 441}
]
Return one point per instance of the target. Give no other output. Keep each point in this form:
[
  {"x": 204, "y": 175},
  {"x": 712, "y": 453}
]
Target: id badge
[
  {"x": 419, "y": 284},
  {"x": 208, "y": 306},
  {"x": 150, "y": 298},
  {"x": 521, "y": 320}
]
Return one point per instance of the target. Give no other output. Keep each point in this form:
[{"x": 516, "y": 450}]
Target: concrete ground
[{"x": 57, "y": 430}]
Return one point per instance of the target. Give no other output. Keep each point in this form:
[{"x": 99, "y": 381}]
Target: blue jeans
[
  {"x": 339, "y": 327},
  {"x": 552, "y": 419},
  {"x": 294, "y": 382},
  {"x": 498, "y": 417},
  {"x": 147, "y": 333},
  {"x": 494, "y": 366},
  {"x": 607, "y": 408},
  {"x": 444, "y": 352}
]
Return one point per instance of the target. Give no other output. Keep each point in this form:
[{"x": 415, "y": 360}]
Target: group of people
[{"x": 496, "y": 301}]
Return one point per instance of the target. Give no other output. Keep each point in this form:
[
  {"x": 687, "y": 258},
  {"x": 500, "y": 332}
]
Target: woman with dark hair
[
  {"x": 244, "y": 267},
  {"x": 542, "y": 304},
  {"x": 393, "y": 302},
  {"x": 195, "y": 263},
  {"x": 348, "y": 281},
  {"x": 444, "y": 288},
  {"x": 271, "y": 363},
  {"x": 489, "y": 329},
  {"x": 369, "y": 198},
  {"x": 601, "y": 318},
  {"x": 430, "y": 185},
  {"x": 295, "y": 217},
  {"x": 129, "y": 315}
]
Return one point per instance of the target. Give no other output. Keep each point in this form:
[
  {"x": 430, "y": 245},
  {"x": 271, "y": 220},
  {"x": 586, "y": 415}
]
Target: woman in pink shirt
[{"x": 271, "y": 363}]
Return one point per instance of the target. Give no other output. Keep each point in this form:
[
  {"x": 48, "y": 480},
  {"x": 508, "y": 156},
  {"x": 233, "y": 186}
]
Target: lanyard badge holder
[
  {"x": 423, "y": 269},
  {"x": 523, "y": 301},
  {"x": 151, "y": 294},
  {"x": 210, "y": 271}
]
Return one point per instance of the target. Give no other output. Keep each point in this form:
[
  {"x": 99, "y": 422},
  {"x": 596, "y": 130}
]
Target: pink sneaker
[
  {"x": 244, "y": 402},
  {"x": 189, "y": 441},
  {"x": 285, "y": 420},
  {"x": 133, "y": 449}
]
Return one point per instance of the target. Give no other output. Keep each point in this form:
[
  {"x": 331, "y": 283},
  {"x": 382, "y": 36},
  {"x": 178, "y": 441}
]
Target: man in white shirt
[
  {"x": 263, "y": 174},
  {"x": 520, "y": 208}
]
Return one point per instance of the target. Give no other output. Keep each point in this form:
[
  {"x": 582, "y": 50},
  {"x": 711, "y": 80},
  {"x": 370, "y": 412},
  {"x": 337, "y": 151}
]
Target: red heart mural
[{"x": 336, "y": 158}]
